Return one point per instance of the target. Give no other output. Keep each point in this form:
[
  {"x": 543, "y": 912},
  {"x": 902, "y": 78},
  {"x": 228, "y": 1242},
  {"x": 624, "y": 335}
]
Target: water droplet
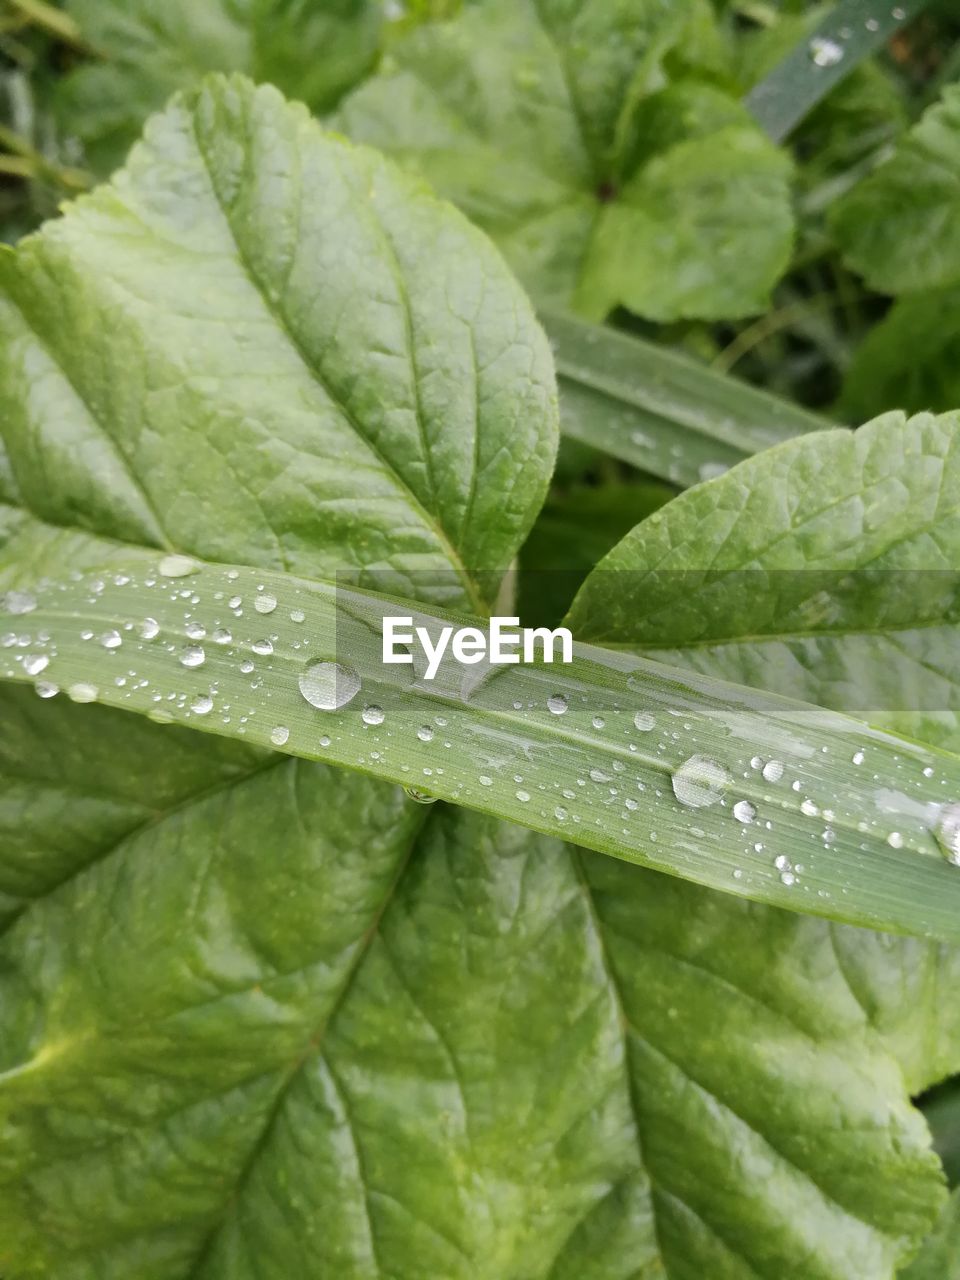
[
  {"x": 644, "y": 721},
  {"x": 46, "y": 689},
  {"x": 263, "y": 647},
  {"x": 808, "y": 808},
  {"x": 34, "y": 663},
  {"x": 425, "y": 733},
  {"x": 279, "y": 735},
  {"x": 246, "y": 666},
  {"x": 788, "y": 878},
  {"x": 560, "y": 813},
  {"x": 111, "y": 640},
  {"x": 744, "y": 811},
  {"x": 523, "y": 796},
  {"x": 557, "y": 703},
  {"x": 328, "y": 686},
  {"x": 372, "y": 714},
  {"x": 222, "y": 636},
  {"x": 82, "y": 692},
  {"x": 297, "y": 615},
  {"x": 195, "y": 630},
  {"x": 421, "y": 797},
  {"x": 898, "y": 14},
  {"x": 485, "y": 781},
  {"x": 265, "y": 603},
  {"x": 824, "y": 52},
  {"x": 193, "y": 656},
  {"x": 177, "y": 566},
  {"x": 895, "y": 840},
  {"x": 149, "y": 628},
  {"x": 858, "y": 757},
  {"x": 235, "y": 602},
  {"x": 772, "y": 771},
  {"x": 872, "y": 24},
  {"x": 19, "y": 602},
  {"x": 699, "y": 782},
  {"x": 947, "y": 832},
  {"x": 598, "y": 722},
  {"x": 202, "y": 704}
]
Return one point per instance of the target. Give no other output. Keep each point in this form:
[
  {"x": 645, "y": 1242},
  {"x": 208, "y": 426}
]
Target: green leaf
[
  {"x": 261, "y": 1017},
  {"x": 816, "y": 569},
  {"x": 286, "y": 321},
  {"x": 587, "y": 1068},
  {"x": 314, "y": 50},
  {"x": 900, "y": 227},
  {"x": 911, "y": 359},
  {"x": 851, "y": 31},
  {"x": 660, "y": 410},
  {"x": 541, "y": 129},
  {"x": 939, "y": 1259}
]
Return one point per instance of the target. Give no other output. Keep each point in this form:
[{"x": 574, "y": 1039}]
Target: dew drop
[
  {"x": 523, "y": 796},
  {"x": 699, "y": 782},
  {"x": 808, "y": 808},
  {"x": 82, "y": 692},
  {"x": 263, "y": 647},
  {"x": 279, "y": 735},
  {"x": 644, "y": 721},
  {"x": 744, "y": 811},
  {"x": 772, "y": 771},
  {"x": 34, "y": 663},
  {"x": 265, "y": 603},
  {"x": 485, "y": 781},
  {"x": 329, "y": 685},
  {"x": 372, "y": 714},
  {"x": 202, "y": 705},
  {"x": 177, "y": 566},
  {"x": 193, "y": 656},
  {"x": 222, "y": 636},
  {"x": 788, "y": 878},
  {"x": 297, "y": 615},
  {"x": 246, "y": 666},
  {"x": 425, "y": 733},
  {"x": 895, "y": 840},
  {"x": 46, "y": 689},
  {"x": 560, "y": 813},
  {"x": 18, "y": 602},
  {"x": 557, "y": 703},
  {"x": 858, "y": 757},
  {"x": 947, "y": 832},
  {"x": 598, "y": 722},
  {"x": 195, "y": 630},
  {"x": 149, "y": 628},
  {"x": 111, "y": 640},
  {"x": 824, "y": 52}
]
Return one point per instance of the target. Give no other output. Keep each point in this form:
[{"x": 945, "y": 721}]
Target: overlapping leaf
[
  {"x": 261, "y": 1017},
  {"x": 538, "y": 120}
]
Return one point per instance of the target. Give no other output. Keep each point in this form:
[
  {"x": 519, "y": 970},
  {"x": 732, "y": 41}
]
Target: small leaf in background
[
  {"x": 538, "y": 128},
  {"x": 900, "y": 227},
  {"x": 312, "y": 49}
]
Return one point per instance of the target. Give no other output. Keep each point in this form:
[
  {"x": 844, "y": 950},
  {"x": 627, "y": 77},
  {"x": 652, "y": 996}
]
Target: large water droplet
[
  {"x": 372, "y": 714},
  {"x": 824, "y": 52},
  {"x": 744, "y": 811},
  {"x": 265, "y": 603},
  {"x": 329, "y": 685},
  {"x": 773, "y": 771},
  {"x": 263, "y": 647},
  {"x": 195, "y": 630},
  {"x": 177, "y": 566},
  {"x": 222, "y": 636},
  {"x": 279, "y": 735},
  {"x": 111, "y": 640},
  {"x": 34, "y": 663},
  {"x": 557, "y": 703},
  {"x": 947, "y": 832},
  {"x": 19, "y": 602},
  {"x": 46, "y": 689},
  {"x": 425, "y": 733},
  {"x": 82, "y": 692},
  {"x": 202, "y": 705},
  {"x": 149, "y": 628},
  {"x": 700, "y": 782},
  {"x": 193, "y": 656},
  {"x": 644, "y": 721}
]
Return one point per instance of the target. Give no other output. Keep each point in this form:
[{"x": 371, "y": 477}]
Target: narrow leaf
[
  {"x": 659, "y": 410},
  {"x": 852, "y": 31}
]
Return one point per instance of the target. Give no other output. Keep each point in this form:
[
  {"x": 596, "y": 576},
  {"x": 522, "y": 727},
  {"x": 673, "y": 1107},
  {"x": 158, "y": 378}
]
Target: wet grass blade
[
  {"x": 851, "y": 32},
  {"x": 660, "y": 411},
  {"x": 743, "y": 791}
]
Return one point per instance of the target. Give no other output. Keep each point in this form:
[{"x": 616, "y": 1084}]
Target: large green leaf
[
  {"x": 260, "y": 1017},
  {"x": 900, "y": 227},
  {"x": 825, "y": 569},
  {"x": 313, "y": 49},
  {"x": 532, "y": 115}
]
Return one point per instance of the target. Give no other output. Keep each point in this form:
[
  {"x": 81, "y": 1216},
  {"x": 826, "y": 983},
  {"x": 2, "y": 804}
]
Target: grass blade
[
  {"x": 607, "y": 751},
  {"x": 851, "y": 32},
  {"x": 660, "y": 411}
]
